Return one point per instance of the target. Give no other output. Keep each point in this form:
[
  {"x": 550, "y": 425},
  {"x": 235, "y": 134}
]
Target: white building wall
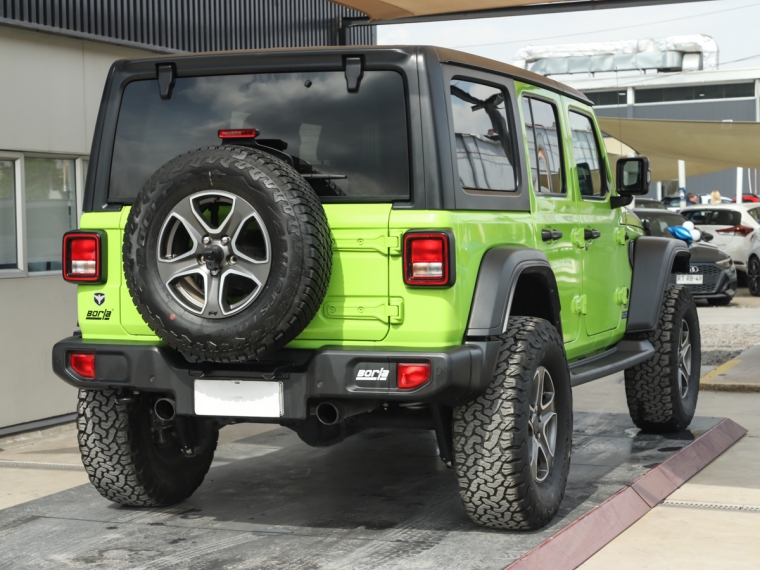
[{"x": 50, "y": 90}]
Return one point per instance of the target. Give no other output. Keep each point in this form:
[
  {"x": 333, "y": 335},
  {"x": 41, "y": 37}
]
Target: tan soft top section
[{"x": 395, "y": 9}]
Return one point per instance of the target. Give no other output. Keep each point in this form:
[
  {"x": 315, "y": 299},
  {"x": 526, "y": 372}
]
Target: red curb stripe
[{"x": 586, "y": 536}]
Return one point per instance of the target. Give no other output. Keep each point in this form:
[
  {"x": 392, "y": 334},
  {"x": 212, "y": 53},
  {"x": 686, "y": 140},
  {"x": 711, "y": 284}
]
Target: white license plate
[
  {"x": 689, "y": 279},
  {"x": 238, "y": 398}
]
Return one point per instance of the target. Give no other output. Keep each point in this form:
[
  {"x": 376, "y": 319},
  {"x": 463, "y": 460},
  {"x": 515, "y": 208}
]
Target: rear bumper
[{"x": 458, "y": 373}]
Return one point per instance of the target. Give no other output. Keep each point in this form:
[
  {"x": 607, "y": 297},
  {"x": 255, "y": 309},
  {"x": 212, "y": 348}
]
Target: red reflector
[
  {"x": 81, "y": 257},
  {"x": 426, "y": 259},
  {"x": 238, "y": 133},
  {"x": 410, "y": 376},
  {"x": 743, "y": 231},
  {"x": 83, "y": 364}
]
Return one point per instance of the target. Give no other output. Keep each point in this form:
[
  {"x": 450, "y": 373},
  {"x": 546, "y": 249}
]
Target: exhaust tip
[
  {"x": 328, "y": 413},
  {"x": 164, "y": 409}
]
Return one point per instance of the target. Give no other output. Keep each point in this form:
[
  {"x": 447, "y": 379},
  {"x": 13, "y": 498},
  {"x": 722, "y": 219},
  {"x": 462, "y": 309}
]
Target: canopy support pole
[
  {"x": 682, "y": 182},
  {"x": 739, "y": 181}
]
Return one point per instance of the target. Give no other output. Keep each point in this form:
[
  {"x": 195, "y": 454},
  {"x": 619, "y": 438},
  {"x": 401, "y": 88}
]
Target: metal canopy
[
  {"x": 415, "y": 11},
  {"x": 705, "y": 146}
]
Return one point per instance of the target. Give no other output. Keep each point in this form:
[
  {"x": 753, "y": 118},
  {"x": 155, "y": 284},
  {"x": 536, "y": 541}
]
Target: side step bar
[{"x": 625, "y": 354}]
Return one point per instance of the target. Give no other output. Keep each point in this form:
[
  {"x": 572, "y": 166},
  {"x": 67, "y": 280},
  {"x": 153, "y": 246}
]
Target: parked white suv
[{"x": 735, "y": 230}]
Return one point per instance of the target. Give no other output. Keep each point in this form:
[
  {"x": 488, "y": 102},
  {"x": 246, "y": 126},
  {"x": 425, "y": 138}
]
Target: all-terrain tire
[
  {"x": 299, "y": 237},
  {"x": 492, "y": 436},
  {"x": 653, "y": 388},
  {"x": 124, "y": 462}
]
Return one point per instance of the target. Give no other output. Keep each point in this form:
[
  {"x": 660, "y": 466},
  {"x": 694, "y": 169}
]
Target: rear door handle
[
  {"x": 591, "y": 234},
  {"x": 550, "y": 235}
]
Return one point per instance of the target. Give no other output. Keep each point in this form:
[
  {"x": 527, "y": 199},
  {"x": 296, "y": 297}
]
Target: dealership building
[{"x": 54, "y": 58}]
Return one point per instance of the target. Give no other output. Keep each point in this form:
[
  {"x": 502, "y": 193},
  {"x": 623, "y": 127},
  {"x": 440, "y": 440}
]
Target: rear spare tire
[{"x": 227, "y": 253}]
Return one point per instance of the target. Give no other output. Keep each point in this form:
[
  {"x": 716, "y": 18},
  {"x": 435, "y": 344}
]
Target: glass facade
[
  {"x": 695, "y": 93},
  {"x": 609, "y": 97},
  {"x": 50, "y": 194}
]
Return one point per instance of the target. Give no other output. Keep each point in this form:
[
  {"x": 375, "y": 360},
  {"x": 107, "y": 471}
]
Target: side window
[
  {"x": 485, "y": 157},
  {"x": 754, "y": 213},
  {"x": 588, "y": 156},
  {"x": 544, "y": 148}
]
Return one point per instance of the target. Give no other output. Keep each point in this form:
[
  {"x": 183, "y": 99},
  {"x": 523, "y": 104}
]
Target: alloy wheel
[
  {"x": 684, "y": 359},
  {"x": 214, "y": 254},
  {"x": 753, "y": 276},
  {"x": 542, "y": 426}
]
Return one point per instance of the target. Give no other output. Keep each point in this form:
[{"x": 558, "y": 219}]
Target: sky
[{"x": 733, "y": 24}]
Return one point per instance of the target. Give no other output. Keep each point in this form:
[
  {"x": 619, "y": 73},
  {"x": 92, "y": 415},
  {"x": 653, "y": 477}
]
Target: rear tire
[
  {"x": 125, "y": 463},
  {"x": 662, "y": 392},
  {"x": 506, "y": 479},
  {"x": 753, "y": 276}
]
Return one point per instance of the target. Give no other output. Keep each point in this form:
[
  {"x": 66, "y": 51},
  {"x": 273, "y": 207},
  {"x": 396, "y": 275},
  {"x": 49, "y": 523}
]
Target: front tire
[
  {"x": 125, "y": 462},
  {"x": 662, "y": 392},
  {"x": 512, "y": 444}
]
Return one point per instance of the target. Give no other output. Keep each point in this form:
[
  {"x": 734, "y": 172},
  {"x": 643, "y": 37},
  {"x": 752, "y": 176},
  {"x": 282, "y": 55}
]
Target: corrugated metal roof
[{"x": 190, "y": 25}]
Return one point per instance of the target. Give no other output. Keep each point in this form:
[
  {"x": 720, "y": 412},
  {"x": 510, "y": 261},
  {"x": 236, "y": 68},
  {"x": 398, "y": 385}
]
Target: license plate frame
[
  {"x": 690, "y": 279},
  {"x": 238, "y": 398}
]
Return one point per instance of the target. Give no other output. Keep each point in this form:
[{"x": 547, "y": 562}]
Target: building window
[
  {"x": 8, "y": 215},
  {"x": 695, "y": 93},
  {"x": 483, "y": 141},
  {"x": 40, "y": 200},
  {"x": 608, "y": 97}
]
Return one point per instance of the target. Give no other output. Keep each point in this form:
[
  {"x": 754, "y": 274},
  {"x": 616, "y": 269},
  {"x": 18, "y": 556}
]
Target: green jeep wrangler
[{"x": 369, "y": 237}]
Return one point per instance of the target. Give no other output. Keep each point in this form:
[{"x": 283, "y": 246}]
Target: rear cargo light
[
  {"x": 743, "y": 231},
  {"x": 83, "y": 363},
  {"x": 225, "y": 134},
  {"x": 426, "y": 259},
  {"x": 410, "y": 376},
  {"x": 82, "y": 257}
]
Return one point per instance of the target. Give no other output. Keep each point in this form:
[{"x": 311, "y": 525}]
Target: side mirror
[
  {"x": 707, "y": 236},
  {"x": 633, "y": 176}
]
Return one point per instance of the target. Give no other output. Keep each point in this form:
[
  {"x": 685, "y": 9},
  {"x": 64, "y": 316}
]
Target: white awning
[{"x": 705, "y": 146}]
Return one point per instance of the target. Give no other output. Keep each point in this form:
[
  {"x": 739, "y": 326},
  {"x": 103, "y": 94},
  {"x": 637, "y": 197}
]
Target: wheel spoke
[
  {"x": 170, "y": 269},
  {"x": 534, "y": 446},
  {"x": 213, "y": 307},
  {"x": 549, "y": 432},
  {"x": 258, "y": 272},
  {"x": 188, "y": 216},
  {"x": 241, "y": 211},
  {"x": 683, "y": 382},
  {"x": 537, "y": 388}
]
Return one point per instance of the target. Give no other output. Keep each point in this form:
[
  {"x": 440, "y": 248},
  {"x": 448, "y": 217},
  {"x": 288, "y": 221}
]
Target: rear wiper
[{"x": 315, "y": 176}]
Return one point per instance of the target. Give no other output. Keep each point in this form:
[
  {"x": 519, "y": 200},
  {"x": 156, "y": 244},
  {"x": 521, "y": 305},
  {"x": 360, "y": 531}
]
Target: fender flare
[
  {"x": 653, "y": 260},
  {"x": 498, "y": 276}
]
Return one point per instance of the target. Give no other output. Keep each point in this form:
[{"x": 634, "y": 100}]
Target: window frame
[
  {"x": 22, "y": 257},
  {"x": 604, "y": 174},
  {"x": 19, "y": 192},
  {"x": 527, "y": 95},
  {"x": 517, "y": 200}
]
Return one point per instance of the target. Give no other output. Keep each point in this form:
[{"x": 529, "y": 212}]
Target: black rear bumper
[{"x": 458, "y": 373}]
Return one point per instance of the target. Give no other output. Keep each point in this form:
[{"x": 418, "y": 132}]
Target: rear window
[
  {"x": 357, "y": 142},
  {"x": 713, "y": 217}
]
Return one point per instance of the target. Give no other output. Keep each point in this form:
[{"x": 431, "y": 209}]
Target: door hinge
[
  {"x": 348, "y": 240},
  {"x": 579, "y": 304},
  {"x": 366, "y": 308},
  {"x": 621, "y": 236},
  {"x": 622, "y": 295}
]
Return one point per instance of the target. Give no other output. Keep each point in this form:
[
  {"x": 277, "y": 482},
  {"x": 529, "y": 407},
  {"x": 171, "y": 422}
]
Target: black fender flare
[
  {"x": 498, "y": 276},
  {"x": 653, "y": 260}
]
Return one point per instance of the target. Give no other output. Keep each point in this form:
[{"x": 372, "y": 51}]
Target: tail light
[
  {"x": 427, "y": 259},
  {"x": 83, "y": 259},
  {"x": 743, "y": 231},
  {"x": 410, "y": 376},
  {"x": 226, "y": 134},
  {"x": 83, "y": 363}
]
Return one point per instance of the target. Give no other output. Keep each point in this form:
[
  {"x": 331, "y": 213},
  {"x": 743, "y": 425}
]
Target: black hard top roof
[{"x": 443, "y": 55}]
